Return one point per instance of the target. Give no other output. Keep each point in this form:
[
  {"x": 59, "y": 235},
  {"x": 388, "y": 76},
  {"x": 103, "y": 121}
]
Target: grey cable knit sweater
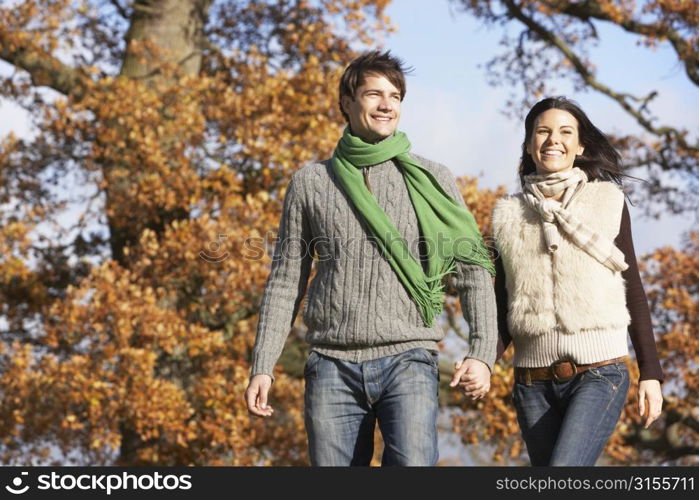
[{"x": 356, "y": 308}]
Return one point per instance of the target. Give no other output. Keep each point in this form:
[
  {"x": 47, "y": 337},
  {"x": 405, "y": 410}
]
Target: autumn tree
[
  {"x": 546, "y": 41},
  {"x": 164, "y": 132},
  {"x": 672, "y": 279}
]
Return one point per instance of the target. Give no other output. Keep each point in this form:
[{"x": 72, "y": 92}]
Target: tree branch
[
  {"x": 44, "y": 69},
  {"x": 670, "y": 442},
  {"x": 581, "y": 68},
  {"x": 121, "y": 10},
  {"x": 592, "y": 9}
]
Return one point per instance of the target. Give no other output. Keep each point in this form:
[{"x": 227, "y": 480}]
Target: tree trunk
[{"x": 175, "y": 29}]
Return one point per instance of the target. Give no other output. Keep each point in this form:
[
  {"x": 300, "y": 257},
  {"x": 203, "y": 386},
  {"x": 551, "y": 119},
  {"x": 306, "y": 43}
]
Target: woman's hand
[{"x": 651, "y": 397}]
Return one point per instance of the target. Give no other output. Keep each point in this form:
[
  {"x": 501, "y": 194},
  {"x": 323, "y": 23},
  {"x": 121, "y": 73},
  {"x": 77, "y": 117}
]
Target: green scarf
[{"x": 441, "y": 219}]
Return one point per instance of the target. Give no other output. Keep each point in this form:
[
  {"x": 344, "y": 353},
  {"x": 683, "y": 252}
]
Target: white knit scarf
[{"x": 538, "y": 190}]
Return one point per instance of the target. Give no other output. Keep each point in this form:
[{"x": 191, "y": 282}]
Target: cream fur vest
[{"x": 566, "y": 291}]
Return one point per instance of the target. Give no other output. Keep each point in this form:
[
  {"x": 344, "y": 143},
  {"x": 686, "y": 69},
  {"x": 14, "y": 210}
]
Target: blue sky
[{"x": 452, "y": 116}]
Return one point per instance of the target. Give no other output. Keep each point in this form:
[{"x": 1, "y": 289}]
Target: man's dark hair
[{"x": 382, "y": 64}]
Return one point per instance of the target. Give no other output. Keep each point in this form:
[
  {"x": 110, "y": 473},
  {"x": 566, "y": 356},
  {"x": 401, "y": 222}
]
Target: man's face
[{"x": 375, "y": 110}]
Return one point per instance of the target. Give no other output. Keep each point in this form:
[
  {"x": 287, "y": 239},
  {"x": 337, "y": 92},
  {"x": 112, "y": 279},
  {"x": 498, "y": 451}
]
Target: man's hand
[
  {"x": 256, "y": 396},
  {"x": 649, "y": 391},
  {"x": 473, "y": 376}
]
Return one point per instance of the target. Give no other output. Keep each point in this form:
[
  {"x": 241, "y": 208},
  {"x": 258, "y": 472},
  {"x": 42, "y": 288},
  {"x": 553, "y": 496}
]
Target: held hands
[
  {"x": 649, "y": 391},
  {"x": 256, "y": 396},
  {"x": 473, "y": 376}
]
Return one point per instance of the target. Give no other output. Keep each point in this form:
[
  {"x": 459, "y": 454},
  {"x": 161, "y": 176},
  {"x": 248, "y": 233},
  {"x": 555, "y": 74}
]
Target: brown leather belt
[{"x": 559, "y": 371}]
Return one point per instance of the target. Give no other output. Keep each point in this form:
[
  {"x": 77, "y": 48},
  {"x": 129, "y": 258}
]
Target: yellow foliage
[{"x": 132, "y": 347}]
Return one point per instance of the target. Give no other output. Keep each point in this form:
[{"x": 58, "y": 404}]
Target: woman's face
[{"x": 554, "y": 142}]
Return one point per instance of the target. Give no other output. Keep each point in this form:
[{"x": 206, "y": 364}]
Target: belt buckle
[{"x": 559, "y": 363}]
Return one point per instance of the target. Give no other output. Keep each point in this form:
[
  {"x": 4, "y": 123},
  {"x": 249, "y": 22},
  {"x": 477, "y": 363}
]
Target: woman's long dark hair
[{"x": 599, "y": 160}]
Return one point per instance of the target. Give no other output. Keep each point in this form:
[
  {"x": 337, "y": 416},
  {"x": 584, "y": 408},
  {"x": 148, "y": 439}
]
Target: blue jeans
[
  {"x": 343, "y": 401},
  {"x": 568, "y": 423}
]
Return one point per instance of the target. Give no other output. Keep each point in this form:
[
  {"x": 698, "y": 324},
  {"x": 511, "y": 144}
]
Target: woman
[{"x": 568, "y": 290}]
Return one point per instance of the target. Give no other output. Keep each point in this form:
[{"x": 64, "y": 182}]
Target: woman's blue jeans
[
  {"x": 569, "y": 423},
  {"x": 344, "y": 400}
]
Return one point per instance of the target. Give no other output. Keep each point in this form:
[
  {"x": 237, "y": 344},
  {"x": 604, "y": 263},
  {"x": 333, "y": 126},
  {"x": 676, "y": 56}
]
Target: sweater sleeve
[
  {"x": 286, "y": 285},
  {"x": 504, "y": 337},
  {"x": 474, "y": 285},
  {"x": 640, "y": 329}
]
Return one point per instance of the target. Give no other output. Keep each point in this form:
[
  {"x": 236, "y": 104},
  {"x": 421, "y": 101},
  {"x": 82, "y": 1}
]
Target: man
[{"x": 386, "y": 226}]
